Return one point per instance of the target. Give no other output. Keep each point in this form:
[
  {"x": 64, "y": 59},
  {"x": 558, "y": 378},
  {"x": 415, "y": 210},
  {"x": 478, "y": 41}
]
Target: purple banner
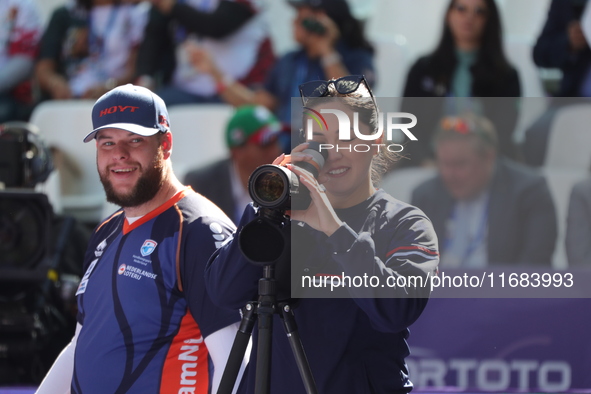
[{"x": 502, "y": 345}]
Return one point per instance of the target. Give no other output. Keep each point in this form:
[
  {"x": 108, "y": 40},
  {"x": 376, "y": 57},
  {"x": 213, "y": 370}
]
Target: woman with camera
[
  {"x": 355, "y": 343},
  {"x": 332, "y": 44}
]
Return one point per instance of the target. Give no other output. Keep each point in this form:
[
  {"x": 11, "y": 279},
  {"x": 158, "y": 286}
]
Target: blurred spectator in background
[
  {"x": 252, "y": 138},
  {"x": 234, "y": 32},
  {"x": 332, "y": 45},
  {"x": 578, "y": 225},
  {"x": 89, "y": 47},
  {"x": 468, "y": 62},
  {"x": 561, "y": 45},
  {"x": 486, "y": 210},
  {"x": 20, "y": 30}
]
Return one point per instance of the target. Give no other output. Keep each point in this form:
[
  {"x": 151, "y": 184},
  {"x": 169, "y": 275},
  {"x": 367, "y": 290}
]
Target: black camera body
[
  {"x": 276, "y": 187},
  {"x": 24, "y": 158}
]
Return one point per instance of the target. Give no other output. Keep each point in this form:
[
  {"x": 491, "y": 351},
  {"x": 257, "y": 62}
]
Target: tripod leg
[
  {"x": 238, "y": 350},
  {"x": 293, "y": 336},
  {"x": 265, "y": 311}
]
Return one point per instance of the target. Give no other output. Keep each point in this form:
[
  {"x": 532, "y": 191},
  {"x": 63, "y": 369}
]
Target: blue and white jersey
[{"x": 142, "y": 302}]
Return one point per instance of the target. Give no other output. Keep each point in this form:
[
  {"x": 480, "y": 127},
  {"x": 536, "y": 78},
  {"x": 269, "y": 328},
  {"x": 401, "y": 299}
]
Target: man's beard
[{"x": 144, "y": 190}]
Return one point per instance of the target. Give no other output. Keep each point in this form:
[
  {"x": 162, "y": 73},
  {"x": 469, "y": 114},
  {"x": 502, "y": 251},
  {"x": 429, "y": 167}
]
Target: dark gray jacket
[{"x": 522, "y": 225}]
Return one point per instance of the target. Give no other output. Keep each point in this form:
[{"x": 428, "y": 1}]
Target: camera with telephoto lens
[{"x": 276, "y": 187}]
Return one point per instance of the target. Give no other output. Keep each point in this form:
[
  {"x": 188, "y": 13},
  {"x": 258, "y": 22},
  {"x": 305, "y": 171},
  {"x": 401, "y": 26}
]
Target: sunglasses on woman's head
[{"x": 344, "y": 85}]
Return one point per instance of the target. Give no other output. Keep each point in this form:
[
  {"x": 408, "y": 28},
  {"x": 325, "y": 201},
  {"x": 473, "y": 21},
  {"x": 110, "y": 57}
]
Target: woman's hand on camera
[
  {"x": 319, "y": 215},
  {"x": 296, "y": 155}
]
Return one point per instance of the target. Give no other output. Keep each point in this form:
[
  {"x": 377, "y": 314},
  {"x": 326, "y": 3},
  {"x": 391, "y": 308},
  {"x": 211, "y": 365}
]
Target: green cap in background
[{"x": 254, "y": 124}]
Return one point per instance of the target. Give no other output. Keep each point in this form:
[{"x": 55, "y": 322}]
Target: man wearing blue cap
[{"x": 145, "y": 321}]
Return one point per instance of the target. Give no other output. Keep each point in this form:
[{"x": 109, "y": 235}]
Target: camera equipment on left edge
[{"x": 36, "y": 320}]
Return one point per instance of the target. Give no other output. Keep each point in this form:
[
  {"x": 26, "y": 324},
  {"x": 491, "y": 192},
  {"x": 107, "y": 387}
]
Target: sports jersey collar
[{"x": 152, "y": 214}]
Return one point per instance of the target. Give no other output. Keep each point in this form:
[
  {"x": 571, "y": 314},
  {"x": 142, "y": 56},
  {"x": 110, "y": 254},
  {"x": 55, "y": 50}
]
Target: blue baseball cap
[{"x": 132, "y": 108}]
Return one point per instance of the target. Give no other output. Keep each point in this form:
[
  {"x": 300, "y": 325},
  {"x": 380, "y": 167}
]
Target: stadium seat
[
  {"x": 418, "y": 22},
  {"x": 198, "y": 135},
  {"x": 534, "y": 101},
  {"x": 519, "y": 53},
  {"x": 400, "y": 183},
  {"x": 63, "y": 124},
  {"x": 523, "y": 18},
  {"x": 569, "y": 143},
  {"x": 391, "y": 64},
  {"x": 561, "y": 182}
]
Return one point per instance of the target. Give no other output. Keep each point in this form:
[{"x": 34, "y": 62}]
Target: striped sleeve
[{"x": 406, "y": 251}]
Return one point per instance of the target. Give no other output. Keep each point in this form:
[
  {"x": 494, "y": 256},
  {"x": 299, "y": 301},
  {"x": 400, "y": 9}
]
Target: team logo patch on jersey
[
  {"x": 217, "y": 233},
  {"x": 148, "y": 247},
  {"x": 86, "y": 277},
  {"x": 100, "y": 248},
  {"x": 122, "y": 269}
]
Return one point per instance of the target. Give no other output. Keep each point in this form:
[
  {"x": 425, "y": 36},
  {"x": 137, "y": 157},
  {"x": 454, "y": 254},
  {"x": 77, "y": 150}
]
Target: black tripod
[{"x": 264, "y": 309}]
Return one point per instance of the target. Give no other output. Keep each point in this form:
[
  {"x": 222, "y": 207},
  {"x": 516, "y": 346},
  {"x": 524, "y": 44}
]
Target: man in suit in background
[
  {"x": 486, "y": 210},
  {"x": 252, "y": 139}
]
